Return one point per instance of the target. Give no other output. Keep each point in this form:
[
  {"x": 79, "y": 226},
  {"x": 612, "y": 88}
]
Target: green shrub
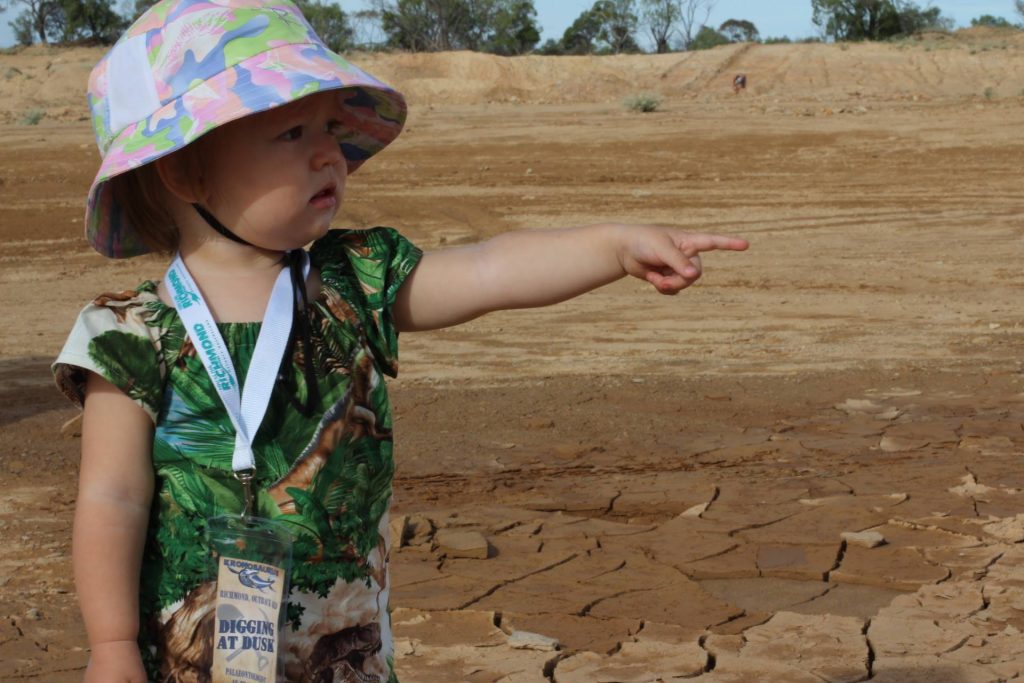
[
  {"x": 33, "y": 117},
  {"x": 644, "y": 102},
  {"x": 707, "y": 38}
]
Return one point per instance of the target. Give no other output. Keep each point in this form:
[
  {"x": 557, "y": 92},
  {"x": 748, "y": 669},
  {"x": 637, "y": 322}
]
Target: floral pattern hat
[{"x": 187, "y": 66}]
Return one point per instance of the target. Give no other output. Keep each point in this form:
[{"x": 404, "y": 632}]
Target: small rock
[
  {"x": 890, "y": 414},
  {"x": 853, "y": 405},
  {"x": 1009, "y": 529},
  {"x": 867, "y": 539},
  {"x": 418, "y": 530},
  {"x": 538, "y": 423},
  {"x": 895, "y": 444},
  {"x": 970, "y": 487},
  {"x": 33, "y": 613},
  {"x": 901, "y": 392},
  {"x": 72, "y": 428},
  {"x": 524, "y": 640},
  {"x": 397, "y": 528},
  {"x": 462, "y": 544},
  {"x": 696, "y": 510}
]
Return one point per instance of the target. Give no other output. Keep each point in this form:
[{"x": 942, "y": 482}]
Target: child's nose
[{"x": 328, "y": 151}]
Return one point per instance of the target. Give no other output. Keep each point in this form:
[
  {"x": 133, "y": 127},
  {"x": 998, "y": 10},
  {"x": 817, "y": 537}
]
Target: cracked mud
[{"x": 807, "y": 468}]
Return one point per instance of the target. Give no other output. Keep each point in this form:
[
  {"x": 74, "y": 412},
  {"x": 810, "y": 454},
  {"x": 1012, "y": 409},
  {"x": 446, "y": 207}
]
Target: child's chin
[
  {"x": 317, "y": 230},
  {"x": 322, "y": 230}
]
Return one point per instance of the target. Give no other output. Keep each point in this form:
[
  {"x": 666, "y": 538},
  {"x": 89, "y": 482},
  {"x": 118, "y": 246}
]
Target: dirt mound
[{"x": 52, "y": 81}]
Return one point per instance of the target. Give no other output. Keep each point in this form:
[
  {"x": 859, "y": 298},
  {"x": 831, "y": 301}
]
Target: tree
[
  {"x": 93, "y": 21},
  {"x": 914, "y": 19},
  {"x": 366, "y": 29},
  {"x": 22, "y": 29},
  {"x": 1019, "y": 6},
  {"x": 660, "y": 17},
  {"x": 329, "y": 22},
  {"x": 707, "y": 38},
  {"x": 693, "y": 15},
  {"x": 36, "y": 19},
  {"x": 140, "y": 6},
  {"x": 874, "y": 19},
  {"x": 618, "y": 25},
  {"x": 579, "y": 38},
  {"x": 515, "y": 29},
  {"x": 739, "y": 31},
  {"x": 856, "y": 19},
  {"x": 431, "y": 25},
  {"x": 991, "y": 21},
  {"x": 608, "y": 26},
  {"x": 551, "y": 47},
  {"x": 424, "y": 25}
]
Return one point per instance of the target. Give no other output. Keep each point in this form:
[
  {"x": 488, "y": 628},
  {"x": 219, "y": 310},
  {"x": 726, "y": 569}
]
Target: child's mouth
[{"x": 324, "y": 198}]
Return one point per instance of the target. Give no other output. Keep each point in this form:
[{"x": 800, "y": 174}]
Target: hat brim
[{"x": 374, "y": 116}]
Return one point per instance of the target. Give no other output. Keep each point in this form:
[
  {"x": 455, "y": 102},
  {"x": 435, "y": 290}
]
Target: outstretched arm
[{"x": 530, "y": 268}]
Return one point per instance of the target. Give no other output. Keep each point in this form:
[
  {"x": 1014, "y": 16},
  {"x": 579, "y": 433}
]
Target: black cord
[
  {"x": 300, "y": 322},
  {"x": 301, "y": 325},
  {"x": 218, "y": 226}
]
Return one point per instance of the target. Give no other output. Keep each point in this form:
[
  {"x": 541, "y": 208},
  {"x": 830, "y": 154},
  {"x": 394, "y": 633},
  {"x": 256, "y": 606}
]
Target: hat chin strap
[
  {"x": 300, "y": 319},
  {"x": 218, "y": 226}
]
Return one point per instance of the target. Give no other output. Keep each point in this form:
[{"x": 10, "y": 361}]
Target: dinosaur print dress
[{"x": 326, "y": 474}]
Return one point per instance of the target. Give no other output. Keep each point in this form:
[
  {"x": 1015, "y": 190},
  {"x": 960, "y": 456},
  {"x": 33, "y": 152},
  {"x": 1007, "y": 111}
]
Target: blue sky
[{"x": 772, "y": 17}]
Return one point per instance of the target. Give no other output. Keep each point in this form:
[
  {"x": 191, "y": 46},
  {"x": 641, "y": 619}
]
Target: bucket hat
[{"x": 187, "y": 66}]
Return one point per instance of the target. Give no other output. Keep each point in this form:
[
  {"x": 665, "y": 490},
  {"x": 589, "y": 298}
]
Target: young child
[{"x": 227, "y": 131}]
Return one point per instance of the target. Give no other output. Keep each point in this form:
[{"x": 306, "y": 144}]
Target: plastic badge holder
[{"x": 253, "y": 559}]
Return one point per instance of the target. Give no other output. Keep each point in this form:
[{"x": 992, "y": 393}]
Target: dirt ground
[{"x": 662, "y": 484}]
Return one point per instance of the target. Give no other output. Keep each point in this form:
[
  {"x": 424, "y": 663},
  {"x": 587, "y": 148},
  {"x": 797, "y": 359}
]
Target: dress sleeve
[
  {"x": 367, "y": 268},
  {"x": 111, "y": 338}
]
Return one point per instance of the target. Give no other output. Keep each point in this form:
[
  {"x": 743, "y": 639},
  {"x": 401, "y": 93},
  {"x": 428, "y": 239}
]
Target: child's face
[{"x": 277, "y": 178}]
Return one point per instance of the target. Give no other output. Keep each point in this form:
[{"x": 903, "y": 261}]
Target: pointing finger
[{"x": 694, "y": 243}]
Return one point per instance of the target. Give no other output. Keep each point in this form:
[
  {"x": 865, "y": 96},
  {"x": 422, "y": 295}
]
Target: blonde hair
[{"x": 143, "y": 197}]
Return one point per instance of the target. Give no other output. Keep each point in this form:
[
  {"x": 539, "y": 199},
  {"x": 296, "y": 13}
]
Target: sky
[{"x": 773, "y": 18}]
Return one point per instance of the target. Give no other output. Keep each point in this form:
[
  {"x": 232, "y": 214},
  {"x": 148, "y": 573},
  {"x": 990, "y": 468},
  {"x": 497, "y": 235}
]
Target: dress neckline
[{"x": 148, "y": 294}]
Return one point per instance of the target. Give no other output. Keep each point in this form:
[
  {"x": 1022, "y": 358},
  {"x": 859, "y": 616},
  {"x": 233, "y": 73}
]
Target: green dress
[{"x": 325, "y": 473}]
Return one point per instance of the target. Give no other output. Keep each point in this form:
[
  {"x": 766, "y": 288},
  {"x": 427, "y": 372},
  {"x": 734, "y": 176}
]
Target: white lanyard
[{"x": 246, "y": 410}]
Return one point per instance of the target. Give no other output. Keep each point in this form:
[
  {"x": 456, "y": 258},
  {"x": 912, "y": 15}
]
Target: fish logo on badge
[{"x": 251, "y": 578}]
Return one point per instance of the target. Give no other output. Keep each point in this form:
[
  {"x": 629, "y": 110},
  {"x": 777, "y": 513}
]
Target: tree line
[{"x": 509, "y": 27}]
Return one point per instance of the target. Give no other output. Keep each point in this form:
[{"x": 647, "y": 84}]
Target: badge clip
[{"x": 246, "y": 477}]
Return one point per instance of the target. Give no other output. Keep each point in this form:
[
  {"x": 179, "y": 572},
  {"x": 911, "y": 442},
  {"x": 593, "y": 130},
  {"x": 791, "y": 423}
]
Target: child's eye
[{"x": 292, "y": 133}]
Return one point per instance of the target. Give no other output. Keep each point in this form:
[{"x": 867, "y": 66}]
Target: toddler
[{"x": 248, "y": 382}]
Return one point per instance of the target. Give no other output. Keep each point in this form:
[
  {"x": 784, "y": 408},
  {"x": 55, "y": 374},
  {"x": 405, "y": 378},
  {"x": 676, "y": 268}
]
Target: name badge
[{"x": 253, "y": 561}]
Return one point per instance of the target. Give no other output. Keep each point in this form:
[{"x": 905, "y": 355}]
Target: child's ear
[{"x": 179, "y": 177}]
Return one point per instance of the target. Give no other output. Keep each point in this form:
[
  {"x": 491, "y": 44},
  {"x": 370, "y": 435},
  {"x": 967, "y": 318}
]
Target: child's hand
[
  {"x": 669, "y": 258},
  {"x": 115, "y": 662}
]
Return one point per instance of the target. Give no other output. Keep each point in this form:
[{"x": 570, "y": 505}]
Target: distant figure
[{"x": 739, "y": 83}]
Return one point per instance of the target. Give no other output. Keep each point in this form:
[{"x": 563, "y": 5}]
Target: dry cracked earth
[{"x": 806, "y": 468}]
